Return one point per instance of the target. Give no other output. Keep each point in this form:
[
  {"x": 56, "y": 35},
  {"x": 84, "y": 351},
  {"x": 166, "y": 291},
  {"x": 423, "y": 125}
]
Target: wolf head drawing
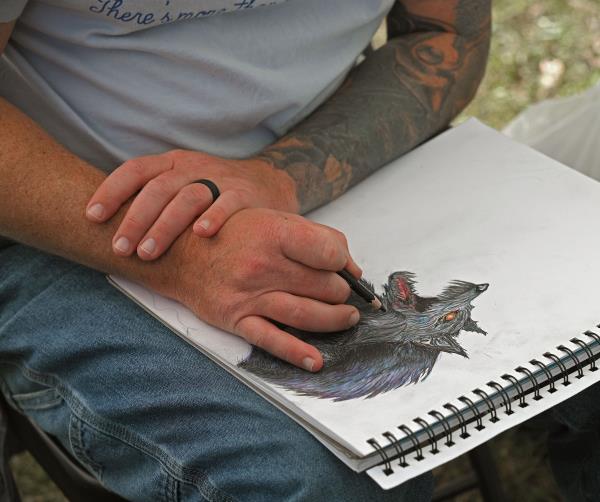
[{"x": 385, "y": 350}]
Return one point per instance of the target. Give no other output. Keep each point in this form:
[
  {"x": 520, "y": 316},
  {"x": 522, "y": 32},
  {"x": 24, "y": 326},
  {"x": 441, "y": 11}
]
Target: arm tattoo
[{"x": 401, "y": 95}]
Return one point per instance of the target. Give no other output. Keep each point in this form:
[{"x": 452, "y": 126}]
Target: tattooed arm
[
  {"x": 398, "y": 97},
  {"x": 401, "y": 95}
]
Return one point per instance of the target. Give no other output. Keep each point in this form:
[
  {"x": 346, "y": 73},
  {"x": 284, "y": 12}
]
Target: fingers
[
  {"x": 265, "y": 335},
  {"x": 219, "y": 212},
  {"x": 316, "y": 246},
  {"x": 300, "y": 313},
  {"x": 307, "y": 314},
  {"x": 123, "y": 183},
  {"x": 353, "y": 268},
  {"x": 317, "y": 284},
  {"x": 192, "y": 200},
  {"x": 148, "y": 206},
  {"x": 258, "y": 271}
]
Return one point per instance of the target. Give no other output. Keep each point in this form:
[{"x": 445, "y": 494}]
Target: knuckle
[
  {"x": 341, "y": 237},
  {"x": 192, "y": 195},
  {"x": 273, "y": 228},
  {"x": 218, "y": 213},
  {"x": 331, "y": 253},
  {"x": 259, "y": 339},
  {"x": 289, "y": 353},
  {"x": 337, "y": 290},
  {"x": 296, "y": 314},
  {"x": 305, "y": 235},
  {"x": 177, "y": 154},
  {"x": 162, "y": 231},
  {"x": 231, "y": 315},
  {"x": 134, "y": 167},
  {"x": 253, "y": 267},
  {"x": 157, "y": 188},
  {"x": 344, "y": 292},
  {"x": 132, "y": 222},
  {"x": 243, "y": 196}
]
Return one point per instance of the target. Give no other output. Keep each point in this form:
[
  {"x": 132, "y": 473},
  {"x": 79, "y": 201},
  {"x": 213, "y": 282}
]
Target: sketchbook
[{"x": 485, "y": 253}]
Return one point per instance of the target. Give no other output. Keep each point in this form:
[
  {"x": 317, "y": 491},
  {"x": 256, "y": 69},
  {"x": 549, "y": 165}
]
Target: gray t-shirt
[{"x": 115, "y": 79}]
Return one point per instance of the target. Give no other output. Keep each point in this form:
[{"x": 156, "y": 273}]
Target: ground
[{"x": 540, "y": 49}]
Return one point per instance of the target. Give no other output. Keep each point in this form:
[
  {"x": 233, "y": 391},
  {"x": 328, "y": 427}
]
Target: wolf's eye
[{"x": 450, "y": 316}]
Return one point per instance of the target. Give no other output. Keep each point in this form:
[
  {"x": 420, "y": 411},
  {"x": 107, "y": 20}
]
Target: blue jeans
[{"x": 147, "y": 414}]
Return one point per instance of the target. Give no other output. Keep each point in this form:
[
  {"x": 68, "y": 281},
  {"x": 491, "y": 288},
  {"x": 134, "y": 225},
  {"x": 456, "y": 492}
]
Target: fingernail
[
  {"x": 354, "y": 318},
  {"x": 203, "y": 224},
  {"x": 122, "y": 244},
  {"x": 149, "y": 246},
  {"x": 308, "y": 363},
  {"x": 96, "y": 211}
]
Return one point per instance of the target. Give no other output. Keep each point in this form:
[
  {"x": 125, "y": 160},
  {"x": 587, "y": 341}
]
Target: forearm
[
  {"x": 44, "y": 190},
  {"x": 397, "y": 98}
]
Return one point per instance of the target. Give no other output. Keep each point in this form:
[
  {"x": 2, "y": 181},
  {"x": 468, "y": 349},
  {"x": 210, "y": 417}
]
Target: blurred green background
[{"x": 540, "y": 49}]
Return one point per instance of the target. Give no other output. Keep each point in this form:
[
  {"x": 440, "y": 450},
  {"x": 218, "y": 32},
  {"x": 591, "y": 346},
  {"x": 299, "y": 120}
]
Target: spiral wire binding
[
  {"x": 593, "y": 335},
  {"x": 561, "y": 365},
  {"x": 473, "y": 409},
  {"x": 463, "y": 424},
  {"x": 447, "y": 429},
  {"x": 531, "y": 376},
  {"x": 430, "y": 434},
  {"x": 575, "y": 359},
  {"x": 476, "y": 415},
  {"x": 544, "y": 368},
  {"x": 505, "y": 397},
  {"x": 489, "y": 403},
  {"x": 517, "y": 384},
  {"x": 588, "y": 352},
  {"x": 396, "y": 444},
  {"x": 386, "y": 460},
  {"x": 413, "y": 440}
]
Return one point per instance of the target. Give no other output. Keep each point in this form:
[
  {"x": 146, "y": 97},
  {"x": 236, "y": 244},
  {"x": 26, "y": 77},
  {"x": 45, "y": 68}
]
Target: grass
[
  {"x": 33, "y": 483},
  {"x": 541, "y": 49}
]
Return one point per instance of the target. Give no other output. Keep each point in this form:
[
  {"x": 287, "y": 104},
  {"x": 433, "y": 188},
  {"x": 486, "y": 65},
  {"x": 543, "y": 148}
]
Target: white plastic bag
[{"x": 567, "y": 130}]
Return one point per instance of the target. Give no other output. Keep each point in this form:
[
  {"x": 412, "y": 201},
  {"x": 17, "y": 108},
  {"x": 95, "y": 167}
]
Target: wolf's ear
[
  {"x": 471, "y": 325},
  {"x": 400, "y": 289},
  {"x": 441, "y": 344}
]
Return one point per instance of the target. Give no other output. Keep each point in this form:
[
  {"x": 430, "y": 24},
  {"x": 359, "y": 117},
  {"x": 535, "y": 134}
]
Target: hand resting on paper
[
  {"x": 267, "y": 265},
  {"x": 168, "y": 201},
  {"x": 261, "y": 266}
]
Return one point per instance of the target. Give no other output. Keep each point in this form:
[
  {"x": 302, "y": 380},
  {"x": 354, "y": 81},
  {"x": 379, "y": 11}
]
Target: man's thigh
[{"x": 149, "y": 415}]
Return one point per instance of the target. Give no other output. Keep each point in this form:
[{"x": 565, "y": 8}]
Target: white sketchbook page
[
  {"x": 472, "y": 205},
  {"x": 475, "y": 206},
  {"x": 415, "y": 468}
]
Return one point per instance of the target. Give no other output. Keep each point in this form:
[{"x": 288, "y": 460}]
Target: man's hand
[
  {"x": 266, "y": 266},
  {"x": 263, "y": 265},
  {"x": 168, "y": 202}
]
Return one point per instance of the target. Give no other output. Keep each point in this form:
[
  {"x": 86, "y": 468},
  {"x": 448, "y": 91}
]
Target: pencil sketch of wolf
[{"x": 385, "y": 350}]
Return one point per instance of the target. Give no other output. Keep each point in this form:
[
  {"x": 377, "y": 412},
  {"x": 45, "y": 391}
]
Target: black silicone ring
[{"x": 211, "y": 186}]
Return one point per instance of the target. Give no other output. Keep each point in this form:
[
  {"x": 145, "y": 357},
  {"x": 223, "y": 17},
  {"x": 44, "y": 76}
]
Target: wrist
[
  {"x": 280, "y": 186},
  {"x": 166, "y": 274}
]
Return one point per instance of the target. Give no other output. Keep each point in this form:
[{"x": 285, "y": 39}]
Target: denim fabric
[{"x": 144, "y": 412}]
